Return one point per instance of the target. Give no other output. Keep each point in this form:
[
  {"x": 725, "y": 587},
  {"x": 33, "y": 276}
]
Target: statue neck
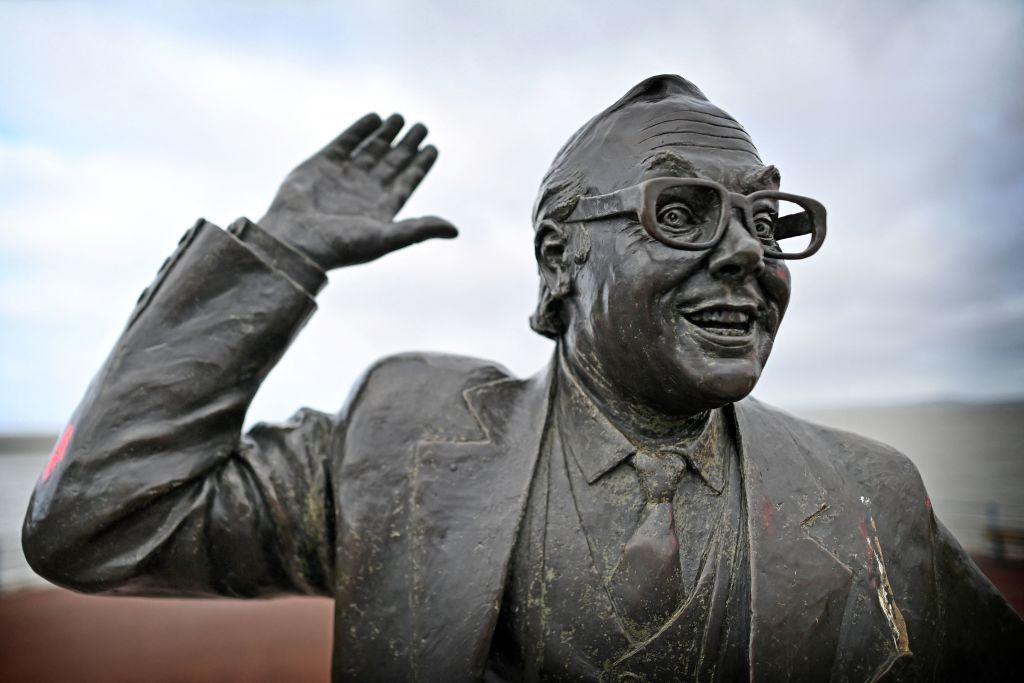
[{"x": 640, "y": 423}]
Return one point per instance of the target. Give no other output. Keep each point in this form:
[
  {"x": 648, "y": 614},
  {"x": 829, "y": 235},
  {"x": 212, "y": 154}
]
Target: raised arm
[{"x": 152, "y": 489}]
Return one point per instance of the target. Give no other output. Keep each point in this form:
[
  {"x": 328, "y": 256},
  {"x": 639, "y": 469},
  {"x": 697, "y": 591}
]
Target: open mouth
[{"x": 723, "y": 321}]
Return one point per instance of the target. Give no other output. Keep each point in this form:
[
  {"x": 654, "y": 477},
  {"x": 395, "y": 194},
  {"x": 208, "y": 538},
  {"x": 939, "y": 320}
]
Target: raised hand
[{"x": 338, "y": 206}]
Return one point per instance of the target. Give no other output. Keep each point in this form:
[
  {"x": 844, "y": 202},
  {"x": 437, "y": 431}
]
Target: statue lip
[{"x": 724, "y": 323}]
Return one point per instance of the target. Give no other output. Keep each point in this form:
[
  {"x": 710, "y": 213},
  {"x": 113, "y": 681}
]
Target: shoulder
[
  {"x": 868, "y": 490},
  {"x": 423, "y": 384},
  {"x": 863, "y": 464},
  {"x": 404, "y": 373}
]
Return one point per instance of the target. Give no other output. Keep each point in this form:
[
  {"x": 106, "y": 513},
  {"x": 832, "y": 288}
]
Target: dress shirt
[{"x": 557, "y": 619}]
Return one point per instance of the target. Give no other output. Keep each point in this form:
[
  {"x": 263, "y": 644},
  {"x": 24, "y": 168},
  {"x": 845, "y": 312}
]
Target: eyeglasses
[{"x": 693, "y": 214}]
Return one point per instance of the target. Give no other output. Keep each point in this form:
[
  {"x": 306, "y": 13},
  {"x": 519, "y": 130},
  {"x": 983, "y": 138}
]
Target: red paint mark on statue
[
  {"x": 928, "y": 504},
  {"x": 768, "y": 515},
  {"x": 59, "y": 450}
]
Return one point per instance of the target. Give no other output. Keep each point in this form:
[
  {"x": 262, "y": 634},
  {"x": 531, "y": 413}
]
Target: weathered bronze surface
[{"x": 626, "y": 514}]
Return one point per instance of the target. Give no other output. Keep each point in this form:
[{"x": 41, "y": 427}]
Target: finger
[
  {"x": 340, "y": 147},
  {"x": 377, "y": 145},
  {"x": 408, "y": 180},
  {"x": 398, "y": 157},
  {"x": 413, "y": 230}
]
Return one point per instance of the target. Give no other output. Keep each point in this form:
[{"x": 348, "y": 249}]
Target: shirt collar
[
  {"x": 707, "y": 461},
  {"x": 599, "y": 447}
]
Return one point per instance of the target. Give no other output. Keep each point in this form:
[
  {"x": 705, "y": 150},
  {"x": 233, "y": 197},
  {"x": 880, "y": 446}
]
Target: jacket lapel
[
  {"x": 820, "y": 597},
  {"x": 799, "y": 589},
  {"x": 468, "y": 500}
]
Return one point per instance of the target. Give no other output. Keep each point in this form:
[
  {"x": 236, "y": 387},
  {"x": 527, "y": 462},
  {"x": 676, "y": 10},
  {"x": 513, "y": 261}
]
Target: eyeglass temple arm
[
  {"x": 793, "y": 225},
  {"x": 604, "y": 205}
]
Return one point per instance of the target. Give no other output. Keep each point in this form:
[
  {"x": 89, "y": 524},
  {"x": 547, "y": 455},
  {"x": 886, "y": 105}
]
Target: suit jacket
[{"x": 404, "y": 507}]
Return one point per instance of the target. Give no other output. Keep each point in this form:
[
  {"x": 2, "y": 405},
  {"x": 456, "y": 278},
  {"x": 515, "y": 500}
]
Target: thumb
[{"x": 412, "y": 230}]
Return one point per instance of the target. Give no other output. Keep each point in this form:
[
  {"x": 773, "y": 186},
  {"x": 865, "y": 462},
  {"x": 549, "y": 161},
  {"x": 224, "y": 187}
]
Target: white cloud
[{"x": 145, "y": 119}]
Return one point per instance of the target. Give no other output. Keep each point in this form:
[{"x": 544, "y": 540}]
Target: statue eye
[
  {"x": 676, "y": 215},
  {"x": 764, "y": 226}
]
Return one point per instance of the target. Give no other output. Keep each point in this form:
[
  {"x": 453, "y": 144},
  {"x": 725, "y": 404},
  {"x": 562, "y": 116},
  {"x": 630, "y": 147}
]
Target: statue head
[{"x": 657, "y": 236}]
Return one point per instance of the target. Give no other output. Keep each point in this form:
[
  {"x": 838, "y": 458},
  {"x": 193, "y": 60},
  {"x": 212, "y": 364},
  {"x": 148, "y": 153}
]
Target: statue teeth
[
  {"x": 720, "y": 315},
  {"x": 727, "y": 322}
]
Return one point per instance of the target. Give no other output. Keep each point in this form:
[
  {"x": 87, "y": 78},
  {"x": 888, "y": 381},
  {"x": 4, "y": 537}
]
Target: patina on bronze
[{"x": 626, "y": 514}]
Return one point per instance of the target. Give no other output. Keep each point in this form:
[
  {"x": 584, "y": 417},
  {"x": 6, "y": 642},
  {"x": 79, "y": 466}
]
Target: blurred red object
[{"x": 57, "y": 635}]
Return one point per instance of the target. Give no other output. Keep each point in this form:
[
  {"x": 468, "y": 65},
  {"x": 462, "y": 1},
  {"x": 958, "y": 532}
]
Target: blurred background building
[{"x": 121, "y": 123}]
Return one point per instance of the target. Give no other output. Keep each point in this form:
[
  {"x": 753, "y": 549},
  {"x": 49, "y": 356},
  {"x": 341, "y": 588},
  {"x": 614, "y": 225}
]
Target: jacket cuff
[{"x": 295, "y": 266}]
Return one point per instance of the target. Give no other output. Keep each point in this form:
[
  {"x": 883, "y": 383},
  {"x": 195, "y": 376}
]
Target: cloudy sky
[{"x": 120, "y": 124}]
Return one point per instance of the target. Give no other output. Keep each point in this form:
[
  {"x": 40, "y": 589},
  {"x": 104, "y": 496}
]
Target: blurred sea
[
  {"x": 21, "y": 462},
  {"x": 971, "y": 457}
]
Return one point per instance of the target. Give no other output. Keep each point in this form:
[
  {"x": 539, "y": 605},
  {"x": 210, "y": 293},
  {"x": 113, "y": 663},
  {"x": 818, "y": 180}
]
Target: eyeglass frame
[{"x": 642, "y": 198}]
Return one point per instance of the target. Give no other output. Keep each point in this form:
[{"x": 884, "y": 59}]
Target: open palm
[{"x": 338, "y": 206}]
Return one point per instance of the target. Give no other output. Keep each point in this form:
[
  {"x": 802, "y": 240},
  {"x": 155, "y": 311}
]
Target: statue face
[{"x": 677, "y": 331}]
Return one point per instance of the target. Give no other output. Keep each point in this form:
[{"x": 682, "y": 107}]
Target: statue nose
[{"x": 738, "y": 255}]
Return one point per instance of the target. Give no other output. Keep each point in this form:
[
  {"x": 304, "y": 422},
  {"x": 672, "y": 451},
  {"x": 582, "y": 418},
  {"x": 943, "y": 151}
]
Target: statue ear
[{"x": 551, "y": 247}]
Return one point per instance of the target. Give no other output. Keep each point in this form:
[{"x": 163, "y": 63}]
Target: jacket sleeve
[
  {"x": 152, "y": 489},
  {"x": 983, "y": 638}
]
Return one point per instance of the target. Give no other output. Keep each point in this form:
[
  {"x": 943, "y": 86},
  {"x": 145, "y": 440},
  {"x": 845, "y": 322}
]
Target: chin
[
  {"x": 715, "y": 382},
  {"x": 728, "y": 384},
  {"x": 716, "y": 368}
]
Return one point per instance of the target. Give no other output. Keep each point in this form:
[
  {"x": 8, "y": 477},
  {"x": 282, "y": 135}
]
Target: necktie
[{"x": 646, "y": 584}]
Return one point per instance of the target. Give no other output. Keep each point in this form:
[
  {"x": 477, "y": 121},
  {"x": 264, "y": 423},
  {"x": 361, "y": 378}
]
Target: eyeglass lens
[
  {"x": 781, "y": 224},
  {"x": 691, "y": 215},
  {"x": 688, "y": 213}
]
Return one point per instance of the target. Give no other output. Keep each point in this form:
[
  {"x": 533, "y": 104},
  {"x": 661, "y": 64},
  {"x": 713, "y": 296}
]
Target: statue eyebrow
[
  {"x": 670, "y": 162},
  {"x": 761, "y": 179}
]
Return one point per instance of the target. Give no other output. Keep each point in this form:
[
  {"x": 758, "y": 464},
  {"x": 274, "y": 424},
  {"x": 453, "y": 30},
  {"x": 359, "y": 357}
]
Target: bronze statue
[{"x": 625, "y": 514}]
